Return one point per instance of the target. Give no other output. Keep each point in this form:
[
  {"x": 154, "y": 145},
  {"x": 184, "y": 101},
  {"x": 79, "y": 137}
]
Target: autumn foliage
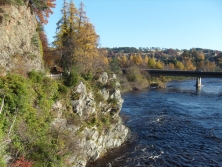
[
  {"x": 42, "y": 8},
  {"x": 22, "y": 163},
  {"x": 76, "y": 40}
]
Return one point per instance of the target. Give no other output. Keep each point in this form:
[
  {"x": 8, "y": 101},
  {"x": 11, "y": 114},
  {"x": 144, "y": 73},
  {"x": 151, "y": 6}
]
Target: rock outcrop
[
  {"x": 97, "y": 127},
  {"x": 20, "y": 48}
]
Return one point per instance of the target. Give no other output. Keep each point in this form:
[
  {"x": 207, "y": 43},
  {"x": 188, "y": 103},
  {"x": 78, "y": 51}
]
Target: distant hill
[{"x": 158, "y": 51}]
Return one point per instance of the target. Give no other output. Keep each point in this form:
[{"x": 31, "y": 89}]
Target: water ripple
[{"x": 173, "y": 127}]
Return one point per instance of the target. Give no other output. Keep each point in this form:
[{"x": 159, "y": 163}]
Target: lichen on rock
[{"x": 99, "y": 129}]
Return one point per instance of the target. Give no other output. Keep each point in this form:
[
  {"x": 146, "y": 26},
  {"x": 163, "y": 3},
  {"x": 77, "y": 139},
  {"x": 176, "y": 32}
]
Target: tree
[
  {"x": 87, "y": 40},
  {"x": 115, "y": 65},
  {"x": 42, "y": 8},
  {"x": 62, "y": 39},
  {"x": 179, "y": 65},
  {"x": 185, "y": 54},
  {"x": 171, "y": 66},
  {"x": 200, "y": 64},
  {"x": 158, "y": 65},
  {"x": 145, "y": 61},
  {"x": 152, "y": 62},
  {"x": 138, "y": 59},
  {"x": 45, "y": 47},
  {"x": 210, "y": 66},
  {"x": 125, "y": 62},
  {"x": 189, "y": 65},
  {"x": 131, "y": 59},
  {"x": 77, "y": 40},
  {"x": 201, "y": 56},
  {"x": 198, "y": 59}
]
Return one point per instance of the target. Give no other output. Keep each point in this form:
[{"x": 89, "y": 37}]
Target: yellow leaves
[
  {"x": 146, "y": 59},
  {"x": 201, "y": 56},
  {"x": 159, "y": 65},
  {"x": 152, "y": 62},
  {"x": 42, "y": 13},
  {"x": 105, "y": 61},
  {"x": 171, "y": 66},
  {"x": 179, "y": 65},
  {"x": 136, "y": 59},
  {"x": 189, "y": 65},
  {"x": 77, "y": 39},
  {"x": 124, "y": 62}
]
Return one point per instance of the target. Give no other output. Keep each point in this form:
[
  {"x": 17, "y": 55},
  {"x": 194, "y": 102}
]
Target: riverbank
[
  {"x": 167, "y": 126},
  {"x": 79, "y": 124}
]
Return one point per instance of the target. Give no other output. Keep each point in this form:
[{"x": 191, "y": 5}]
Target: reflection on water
[{"x": 176, "y": 126}]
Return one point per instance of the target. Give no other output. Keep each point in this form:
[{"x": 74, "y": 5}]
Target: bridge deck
[{"x": 182, "y": 73}]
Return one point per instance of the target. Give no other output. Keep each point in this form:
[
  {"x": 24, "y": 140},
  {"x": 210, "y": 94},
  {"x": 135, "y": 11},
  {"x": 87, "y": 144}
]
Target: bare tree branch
[
  {"x": 8, "y": 139},
  {"x": 16, "y": 112},
  {"x": 3, "y": 100}
]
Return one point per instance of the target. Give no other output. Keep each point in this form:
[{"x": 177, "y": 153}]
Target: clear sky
[{"x": 181, "y": 24}]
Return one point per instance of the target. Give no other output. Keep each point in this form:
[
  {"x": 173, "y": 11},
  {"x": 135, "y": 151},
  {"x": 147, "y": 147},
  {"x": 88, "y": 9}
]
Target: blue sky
[{"x": 181, "y": 24}]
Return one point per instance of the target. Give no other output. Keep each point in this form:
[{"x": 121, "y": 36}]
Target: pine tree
[
  {"x": 62, "y": 29},
  {"x": 159, "y": 65},
  {"x": 125, "y": 62},
  {"x": 152, "y": 63},
  {"x": 77, "y": 40},
  {"x": 86, "y": 52},
  {"x": 138, "y": 59},
  {"x": 145, "y": 61},
  {"x": 62, "y": 39}
]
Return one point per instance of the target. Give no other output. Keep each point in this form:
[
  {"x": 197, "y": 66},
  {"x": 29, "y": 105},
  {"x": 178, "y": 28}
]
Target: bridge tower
[{"x": 198, "y": 83}]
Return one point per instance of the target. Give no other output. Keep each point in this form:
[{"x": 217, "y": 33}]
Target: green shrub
[
  {"x": 114, "y": 66},
  {"x": 75, "y": 96},
  {"x": 28, "y": 101},
  {"x": 35, "y": 76},
  {"x": 112, "y": 101},
  {"x": 87, "y": 76},
  {"x": 62, "y": 89},
  {"x": 98, "y": 97},
  {"x": 72, "y": 79},
  {"x": 133, "y": 74}
]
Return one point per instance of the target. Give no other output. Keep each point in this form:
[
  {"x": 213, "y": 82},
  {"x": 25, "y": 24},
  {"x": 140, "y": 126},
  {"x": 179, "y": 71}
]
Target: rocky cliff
[
  {"x": 20, "y": 47},
  {"x": 97, "y": 127}
]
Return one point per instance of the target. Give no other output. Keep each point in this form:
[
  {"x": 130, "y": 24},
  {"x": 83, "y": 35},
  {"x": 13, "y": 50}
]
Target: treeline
[
  {"x": 188, "y": 60},
  {"x": 169, "y": 51}
]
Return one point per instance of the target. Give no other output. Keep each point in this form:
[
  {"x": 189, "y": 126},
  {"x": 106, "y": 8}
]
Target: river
[{"x": 175, "y": 126}]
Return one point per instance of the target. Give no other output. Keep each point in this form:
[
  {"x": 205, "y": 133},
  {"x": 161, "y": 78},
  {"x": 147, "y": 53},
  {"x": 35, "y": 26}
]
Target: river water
[{"x": 175, "y": 126}]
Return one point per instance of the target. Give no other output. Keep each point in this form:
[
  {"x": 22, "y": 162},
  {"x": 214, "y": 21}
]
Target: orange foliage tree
[
  {"x": 45, "y": 47},
  {"x": 77, "y": 41},
  {"x": 42, "y": 8}
]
